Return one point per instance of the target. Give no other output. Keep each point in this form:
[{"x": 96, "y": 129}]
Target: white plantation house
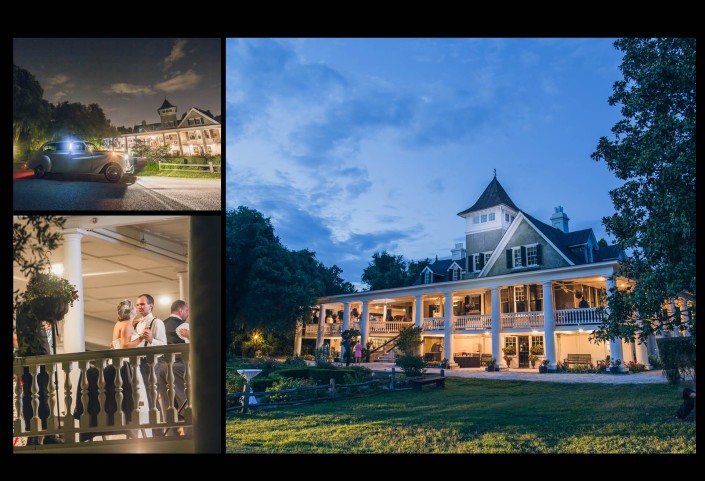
[
  {"x": 196, "y": 133},
  {"x": 516, "y": 281}
]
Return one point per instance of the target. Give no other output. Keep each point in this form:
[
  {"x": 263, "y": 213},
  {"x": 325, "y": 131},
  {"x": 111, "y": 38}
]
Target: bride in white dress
[{"x": 125, "y": 336}]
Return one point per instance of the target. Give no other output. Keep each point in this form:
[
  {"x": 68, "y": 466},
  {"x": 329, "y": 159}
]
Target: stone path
[{"x": 647, "y": 377}]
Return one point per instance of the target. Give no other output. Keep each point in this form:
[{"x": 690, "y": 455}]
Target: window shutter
[
  {"x": 523, "y": 256},
  {"x": 510, "y": 261},
  {"x": 539, "y": 259},
  {"x": 482, "y": 260}
]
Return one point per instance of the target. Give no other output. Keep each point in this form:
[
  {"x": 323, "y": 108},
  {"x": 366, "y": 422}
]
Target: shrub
[
  {"x": 260, "y": 384},
  {"x": 323, "y": 376},
  {"x": 296, "y": 373},
  {"x": 411, "y": 365},
  {"x": 634, "y": 366},
  {"x": 409, "y": 340},
  {"x": 308, "y": 357},
  {"x": 285, "y": 383},
  {"x": 655, "y": 361},
  {"x": 678, "y": 357},
  {"x": 324, "y": 356},
  {"x": 356, "y": 374},
  {"x": 296, "y": 361}
]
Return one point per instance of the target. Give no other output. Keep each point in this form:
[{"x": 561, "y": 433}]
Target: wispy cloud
[
  {"x": 183, "y": 81},
  {"x": 130, "y": 89},
  {"x": 177, "y": 53},
  {"x": 58, "y": 79},
  {"x": 63, "y": 85}
]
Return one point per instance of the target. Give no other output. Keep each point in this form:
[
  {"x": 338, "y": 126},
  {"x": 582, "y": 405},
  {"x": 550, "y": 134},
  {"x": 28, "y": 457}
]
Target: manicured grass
[{"x": 476, "y": 416}]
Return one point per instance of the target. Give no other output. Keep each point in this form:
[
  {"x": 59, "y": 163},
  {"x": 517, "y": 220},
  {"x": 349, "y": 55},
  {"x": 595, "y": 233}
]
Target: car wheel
[
  {"x": 113, "y": 173},
  {"x": 39, "y": 172}
]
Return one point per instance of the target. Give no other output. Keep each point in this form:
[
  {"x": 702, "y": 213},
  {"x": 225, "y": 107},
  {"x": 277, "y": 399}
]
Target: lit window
[
  {"x": 491, "y": 216},
  {"x": 519, "y": 294}
]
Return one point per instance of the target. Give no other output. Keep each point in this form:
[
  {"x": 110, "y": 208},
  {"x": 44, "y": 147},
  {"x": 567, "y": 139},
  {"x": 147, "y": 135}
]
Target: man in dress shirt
[
  {"x": 179, "y": 315},
  {"x": 155, "y": 335}
]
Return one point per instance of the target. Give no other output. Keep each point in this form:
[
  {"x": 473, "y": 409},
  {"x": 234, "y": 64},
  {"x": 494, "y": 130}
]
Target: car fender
[{"x": 43, "y": 160}]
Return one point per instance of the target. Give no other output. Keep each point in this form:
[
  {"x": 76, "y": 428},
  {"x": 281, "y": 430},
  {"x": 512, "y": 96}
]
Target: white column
[
  {"x": 642, "y": 351},
  {"x": 74, "y": 322},
  {"x": 346, "y": 316},
  {"x": 364, "y": 323},
  {"x": 418, "y": 311},
  {"x": 549, "y": 325},
  {"x": 183, "y": 286},
  {"x": 496, "y": 327},
  {"x": 672, "y": 312},
  {"x": 615, "y": 343},
  {"x": 384, "y": 312},
  {"x": 448, "y": 329},
  {"x": 685, "y": 313},
  {"x": 298, "y": 335},
  {"x": 321, "y": 323}
]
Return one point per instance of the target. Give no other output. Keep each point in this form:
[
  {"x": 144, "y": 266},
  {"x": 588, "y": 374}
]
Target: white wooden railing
[
  {"x": 69, "y": 428},
  {"x": 522, "y": 319},
  {"x": 573, "y": 317},
  {"x": 210, "y": 167},
  {"x": 433, "y": 323},
  {"x": 383, "y": 327},
  {"x": 474, "y": 322}
]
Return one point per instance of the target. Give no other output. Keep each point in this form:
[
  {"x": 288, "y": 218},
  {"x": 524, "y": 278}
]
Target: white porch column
[
  {"x": 346, "y": 316},
  {"x": 321, "y": 324},
  {"x": 615, "y": 343},
  {"x": 418, "y": 311},
  {"x": 496, "y": 327},
  {"x": 74, "y": 322},
  {"x": 364, "y": 323},
  {"x": 549, "y": 325},
  {"x": 685, "y": 313},
  {"x": 298, "y": 335},
  {"x": 183, "y": 286},
  {"x": 642, "y": 351},
  {"x": 448, "y": 329},
  {"x": 672, "y": 313},
  {"x": 384, "y": 312}
]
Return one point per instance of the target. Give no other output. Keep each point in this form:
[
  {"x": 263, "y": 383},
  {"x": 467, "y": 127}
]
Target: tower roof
[
  {"x": 166, "y": 105},
  {"x": 493, "y": 195}
]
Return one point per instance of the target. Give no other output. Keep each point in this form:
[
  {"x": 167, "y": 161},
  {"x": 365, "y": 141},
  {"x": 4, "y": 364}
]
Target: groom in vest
[
  {"x": 179, "y": 315},
  {"x": 155, "y": 335}
]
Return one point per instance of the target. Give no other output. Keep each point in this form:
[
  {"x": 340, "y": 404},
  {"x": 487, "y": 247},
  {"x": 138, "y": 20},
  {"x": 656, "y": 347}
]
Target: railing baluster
[
  {"x": 170, "y": 392},
  {"x": 85, "y": 418},
  {"x": 152, "y": 388},
  {"x": 52, "y": 423},
  {"x": 134, "y": 367},
  {"x": 69, "y": 427},
  {"x": 102, "y": 414},
  {"x": 17, "y": 424},
  {"x": 186, "y": 412},
  {"x": 119, "y": 418},
  {"x": 34, "y": 423}
]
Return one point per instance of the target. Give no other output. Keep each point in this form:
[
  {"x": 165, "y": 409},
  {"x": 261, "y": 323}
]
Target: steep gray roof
[
  {"x": 166, "y": 105},
  {"x": 577, "y": 237},
  {"x": 493, "y": 195}
]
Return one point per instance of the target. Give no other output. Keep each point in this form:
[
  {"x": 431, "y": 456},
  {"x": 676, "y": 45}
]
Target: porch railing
[
  {"x": 382, "y": 327},
  {"x": 94, "y": 397},
  {"x": 522, "y": 319},
  {"x": 433, "y": 323},
  {"x": 474, "y": 322},
  {"x": 573, "y": 317}
]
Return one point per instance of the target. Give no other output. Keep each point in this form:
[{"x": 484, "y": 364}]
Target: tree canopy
[
  {"x": 267, "y": 285},
  {"x": 653, "y": 151},
  {"x": 386, "y": 271}
]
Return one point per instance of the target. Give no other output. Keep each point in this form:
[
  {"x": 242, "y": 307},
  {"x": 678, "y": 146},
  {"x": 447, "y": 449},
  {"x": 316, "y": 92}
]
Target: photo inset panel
[
  {"x": 117, "y": 124},
  {"x": 105, "y": 359}
]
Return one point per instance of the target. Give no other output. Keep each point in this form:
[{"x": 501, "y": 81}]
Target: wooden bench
[
  {"x": 484, "y": 359},
  {"x": 418, "y": 383},
  {"x": 585, "y": 359}
]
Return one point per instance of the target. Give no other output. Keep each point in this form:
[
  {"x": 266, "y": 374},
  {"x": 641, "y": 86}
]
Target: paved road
[{"x": 148, "y": 193}]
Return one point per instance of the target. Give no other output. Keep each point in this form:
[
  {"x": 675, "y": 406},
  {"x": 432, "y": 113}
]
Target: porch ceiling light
[
  {"x": 534, "y": 331},
  {"x": 487, "y": 333},
  {"x": 164, "y": 300}
]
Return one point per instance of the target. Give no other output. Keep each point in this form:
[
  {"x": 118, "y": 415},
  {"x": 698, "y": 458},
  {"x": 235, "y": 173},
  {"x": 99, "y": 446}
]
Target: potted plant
[
  {"x": 543, "y": 367},
  {"x": 536, "y": 351},
  {"x": 492, "y": 365},
  {"x": 444, "y": 363},
  {"x": 614, "y": 367},
  {"x": 508, "y": 351},
  {"x": 49, "y": 296}
]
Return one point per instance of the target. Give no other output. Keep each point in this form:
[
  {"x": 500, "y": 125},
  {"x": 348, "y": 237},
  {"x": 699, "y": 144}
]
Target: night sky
[
  {"x": 359, "y": 145},
  {"x": 128, "y": 77}
]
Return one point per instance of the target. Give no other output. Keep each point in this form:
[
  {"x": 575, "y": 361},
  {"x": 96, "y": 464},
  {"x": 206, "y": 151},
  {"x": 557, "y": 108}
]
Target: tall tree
[
  {"x": 269, "y": 287},
  {"x": 653, "y": 151},
  {"x": 414, "y": 269},
  {"x": 385, "y": 271},
  {"x": 81, "y": 121},
  {"x": 30, "y": 112}
]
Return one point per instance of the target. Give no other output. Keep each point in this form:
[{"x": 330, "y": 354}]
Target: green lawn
[{"x": 476, "y": 416}]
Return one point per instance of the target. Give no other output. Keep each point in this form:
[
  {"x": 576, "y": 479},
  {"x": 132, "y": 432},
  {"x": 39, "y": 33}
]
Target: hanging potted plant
[{"x": 50, "y": 296}]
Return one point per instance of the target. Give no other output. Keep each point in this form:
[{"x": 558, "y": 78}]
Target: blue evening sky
[{"x": 358, "y": 145}]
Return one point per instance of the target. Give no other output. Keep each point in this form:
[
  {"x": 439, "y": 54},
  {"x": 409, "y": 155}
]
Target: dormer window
[
  {"x": 456, "y": 274},
  {"x": 427, "y": 277}
]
